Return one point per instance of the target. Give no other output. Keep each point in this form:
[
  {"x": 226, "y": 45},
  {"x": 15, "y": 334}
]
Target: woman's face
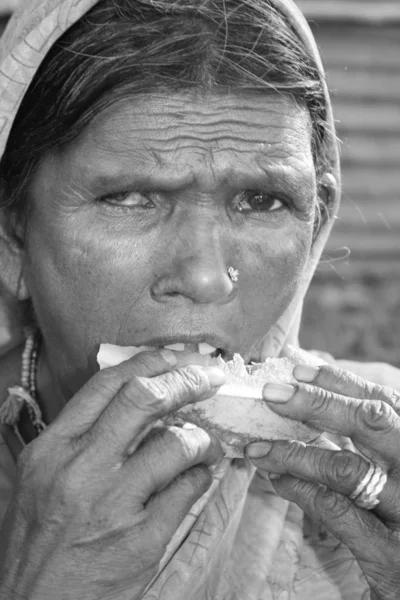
[{"x": 135, "y": 224}]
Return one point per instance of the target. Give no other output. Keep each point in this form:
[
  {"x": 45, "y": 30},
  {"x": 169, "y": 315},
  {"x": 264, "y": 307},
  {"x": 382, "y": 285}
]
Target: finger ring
[{"x": 366, "y": 493}]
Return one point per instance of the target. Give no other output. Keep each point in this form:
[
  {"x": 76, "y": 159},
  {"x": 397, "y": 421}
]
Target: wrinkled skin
[
  {"x": 131, "y": 233},
  {"x": 155, "y": 264},
  {"x": 321, "y": 478}
]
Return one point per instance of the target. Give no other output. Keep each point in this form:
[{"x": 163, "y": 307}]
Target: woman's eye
[
  {"x": 129, "y": 200},
  {"x": 250, "y": 201}
]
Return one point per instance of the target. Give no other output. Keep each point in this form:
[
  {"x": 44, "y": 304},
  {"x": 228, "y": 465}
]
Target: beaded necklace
[{"x": 25, "y": 395}]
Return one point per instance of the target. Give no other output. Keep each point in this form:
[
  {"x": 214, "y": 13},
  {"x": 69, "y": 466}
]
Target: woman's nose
[{"x": 201, "y": 277}]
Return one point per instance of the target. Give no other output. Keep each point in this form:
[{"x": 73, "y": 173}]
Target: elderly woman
[{"x": 169, "y": 176}]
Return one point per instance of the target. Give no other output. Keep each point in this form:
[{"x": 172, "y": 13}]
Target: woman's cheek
[
  {"x": 271, "y": 273},
  {"x": 281, "y": 256},
  {"x": 83, "y": 285}
]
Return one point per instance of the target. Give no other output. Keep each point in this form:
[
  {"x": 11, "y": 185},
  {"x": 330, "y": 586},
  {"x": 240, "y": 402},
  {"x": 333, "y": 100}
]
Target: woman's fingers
[
  {"x": 180, "y": 494},
  {"x": 93, "y": 398},
  {"x": 360, "y": 530},
  {"x": 168, "y": 452},
  {"x": 144, "y": 400},
  {"x": 341, "y": 470},
  {"x": 373, "y": 425},
  {"x": 346, "y": 383},
  {"x": 90, "y": 401}
]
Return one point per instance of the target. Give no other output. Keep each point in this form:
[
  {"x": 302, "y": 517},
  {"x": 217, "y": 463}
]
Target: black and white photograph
[{"x": 199, "y": 299}]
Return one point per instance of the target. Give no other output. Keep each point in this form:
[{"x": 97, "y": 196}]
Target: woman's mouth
[
  {"x": 201, "y": 348},
  {"x": 111, "y": 354}
]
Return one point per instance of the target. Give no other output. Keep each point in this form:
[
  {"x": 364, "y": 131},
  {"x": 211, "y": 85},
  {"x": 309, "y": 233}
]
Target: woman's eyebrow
[
  {"x": 280, "y": 176},
  {"x": 284, "y": 177},
  {"x": 293, "y": 178},
  {"x": 141, "y": 181}
]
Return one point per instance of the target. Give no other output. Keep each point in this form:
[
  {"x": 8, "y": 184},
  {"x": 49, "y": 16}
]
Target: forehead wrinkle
[
  {"x": 129, "y": 123},
  {"x": 206, "y": 130},
  {"x": 130, "y": 147},
  {"x": 162, "y": 156},
  {"x": 193, "y": 163},
  {"x": 203, "y": 114},
  {"x": 164, "y": 139},
  {"x": 151, "y": 148},
  {"x": 218, "y": 144},
  {"x": 286, "y": 150},
  {"x": 151, "y": 144}
]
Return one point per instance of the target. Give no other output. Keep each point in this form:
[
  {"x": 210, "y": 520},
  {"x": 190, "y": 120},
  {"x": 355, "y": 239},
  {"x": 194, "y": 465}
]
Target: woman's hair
[{"x": 125, "y": 47}]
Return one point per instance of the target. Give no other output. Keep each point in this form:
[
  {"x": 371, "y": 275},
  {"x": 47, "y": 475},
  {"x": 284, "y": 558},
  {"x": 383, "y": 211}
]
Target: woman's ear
[
  {"x": 327, "y": 200},
  {"x": 12, "y": 259},
  {"x": 328, "y": 190}
]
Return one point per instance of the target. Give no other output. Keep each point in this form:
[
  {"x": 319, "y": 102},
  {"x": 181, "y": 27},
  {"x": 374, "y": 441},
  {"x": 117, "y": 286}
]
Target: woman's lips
[
  {"x": 202, "y": 348},
  {"x": 110, "y": 355}
]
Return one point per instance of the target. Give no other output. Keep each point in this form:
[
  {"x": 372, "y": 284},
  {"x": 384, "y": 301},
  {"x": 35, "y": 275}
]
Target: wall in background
[
  {"x": 353, "y": 306},
  {"x": 360, "y": 45}
]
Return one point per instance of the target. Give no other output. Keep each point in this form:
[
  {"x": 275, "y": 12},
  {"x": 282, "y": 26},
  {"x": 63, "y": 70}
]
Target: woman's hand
[
  {"x": 101, "y": 492},
  {"x": 321, "y": 480}
]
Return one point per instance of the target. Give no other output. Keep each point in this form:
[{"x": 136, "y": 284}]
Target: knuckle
[
  {"x": 293, "y": 453},
  {"x": 344, "y": 380},
  {"x": 153, "y": 396},
  {"x": 375, "y": 391},
  {"x": 343, "y": 465},
  {"x": 192, "y": 378},
  {"x": 107, "y": 433},
  {"x": 392, "y": 397},
  {"x": 192, "y": 443},
  {"x": 105, "y": 382},
  {"x": 141, "y": 359},
  {"x": 168, "y": 392},
  {"x": 320, "y": 401},
  {"x": 195, "y": 481},
  {"x": 146, "y": 359},
  {"x": 330, "y": 505},
  {"x": 375, "y": 415},
  {"x": 302, "y": 489}
]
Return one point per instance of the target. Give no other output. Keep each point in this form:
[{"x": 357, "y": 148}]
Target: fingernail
[
  {"x": 258, "y": 449},
  {"x": 278, "y": 392},
  {"x": 274, "y": 476},
  {"x": 169, "y": 356},
  {"x": 306, "y": 373},
  {"x": 215, "y": 376}
]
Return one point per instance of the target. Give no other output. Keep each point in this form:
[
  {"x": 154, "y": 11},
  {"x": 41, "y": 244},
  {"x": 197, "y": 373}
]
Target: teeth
[
  {"x": 176, "y": 347},
  {"x": 201, "y": 348},
  {"x": 206, "y": 349}
]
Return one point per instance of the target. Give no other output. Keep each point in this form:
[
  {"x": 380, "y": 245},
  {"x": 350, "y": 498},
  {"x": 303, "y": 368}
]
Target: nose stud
[{"x": 233, "y": 274}]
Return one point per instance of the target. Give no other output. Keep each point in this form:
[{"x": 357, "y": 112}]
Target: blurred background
[{"x": 353, "y": 307}]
